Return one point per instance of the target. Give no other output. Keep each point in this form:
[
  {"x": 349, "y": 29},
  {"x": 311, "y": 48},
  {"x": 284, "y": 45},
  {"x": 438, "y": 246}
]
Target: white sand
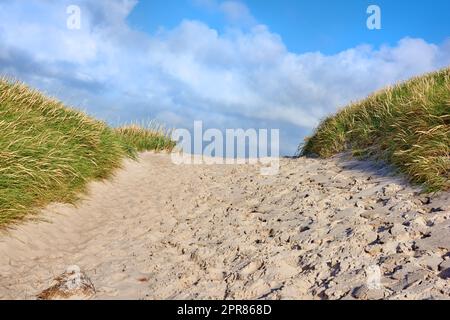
[{"x": 162, "y": 231}]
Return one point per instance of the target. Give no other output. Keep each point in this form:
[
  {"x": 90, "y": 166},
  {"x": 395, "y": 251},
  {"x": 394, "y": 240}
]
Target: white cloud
[
  {"x": 240, "y": 78},
  {"x": 237, "y": 12}
]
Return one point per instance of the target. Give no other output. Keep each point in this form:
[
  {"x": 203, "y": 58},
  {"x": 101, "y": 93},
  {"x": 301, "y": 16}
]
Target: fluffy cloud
[
  {"x": 240, "y": 78},
  {"x": 237, "y": 12}
]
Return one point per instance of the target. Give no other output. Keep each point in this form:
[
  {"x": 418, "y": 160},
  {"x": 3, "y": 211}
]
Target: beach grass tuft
[
  {"x": 406, "y": 125},
  {"x": 49, "y": 152}
]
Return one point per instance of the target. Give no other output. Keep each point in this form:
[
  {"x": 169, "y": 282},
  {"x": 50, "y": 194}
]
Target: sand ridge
[{"x": 317, "y": 230}]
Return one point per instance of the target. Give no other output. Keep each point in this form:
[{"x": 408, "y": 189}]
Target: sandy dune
[{"x": 320, "y": 229}]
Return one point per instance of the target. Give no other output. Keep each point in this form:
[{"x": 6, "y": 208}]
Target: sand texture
[{"x": 320, "y": 229}]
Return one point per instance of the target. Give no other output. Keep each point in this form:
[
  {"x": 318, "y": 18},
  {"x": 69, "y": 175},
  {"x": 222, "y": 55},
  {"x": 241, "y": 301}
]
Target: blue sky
[
  {"x": 230, "y": 63},
  {"x": 329, "y": 26}
]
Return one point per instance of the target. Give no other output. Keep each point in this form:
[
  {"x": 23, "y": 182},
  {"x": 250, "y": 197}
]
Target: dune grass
[
  {"x": 407, "y": 125},
  {"x": 48, "y": 152},
  {"x": 146, "y": 137}
]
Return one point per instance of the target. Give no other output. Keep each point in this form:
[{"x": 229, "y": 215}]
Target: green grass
[
  {"x": 407, "y": 125},
  {"x": 48, "y": 152},
  {"x": 143, "y": 139}
]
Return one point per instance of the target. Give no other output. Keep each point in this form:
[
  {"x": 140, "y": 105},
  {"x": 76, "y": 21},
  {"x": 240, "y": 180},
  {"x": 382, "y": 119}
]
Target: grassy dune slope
[
  {"x": 48, "y": 152},
  {"x": 407, "y": 125}
]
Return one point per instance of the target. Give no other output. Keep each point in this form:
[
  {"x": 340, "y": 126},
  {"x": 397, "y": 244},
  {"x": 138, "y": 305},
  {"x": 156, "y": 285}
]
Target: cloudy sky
[{"x": 233, "y": 64}]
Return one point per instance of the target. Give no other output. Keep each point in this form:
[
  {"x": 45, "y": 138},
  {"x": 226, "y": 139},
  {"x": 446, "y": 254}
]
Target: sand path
[{"x": 319, "y": 229}]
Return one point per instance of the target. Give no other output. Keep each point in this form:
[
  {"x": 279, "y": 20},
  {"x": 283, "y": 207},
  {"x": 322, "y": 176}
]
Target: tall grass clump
[
  {"x": 48, "y": 152},
  {"x": 407, "y": 125},
  {"x": 146, "y": 137}
]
